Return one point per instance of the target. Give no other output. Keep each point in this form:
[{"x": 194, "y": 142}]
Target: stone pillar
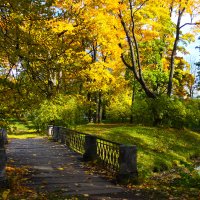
[
  {"x": 127, "y": 164},
  {"x": 3, "y": 137},
  {"x": 1, "y": 142},
  {"x": 63, "y": 133},
  {"x": 3, "y": 159},
  {"x": 90, "y": 148},
  {"x": 50, "y": 130},
  {"x": 56, "y": 133}
]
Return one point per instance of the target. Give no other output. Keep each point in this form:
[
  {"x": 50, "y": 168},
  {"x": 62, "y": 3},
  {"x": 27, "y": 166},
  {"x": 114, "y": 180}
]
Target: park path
[{"x": 54, "y": 167}]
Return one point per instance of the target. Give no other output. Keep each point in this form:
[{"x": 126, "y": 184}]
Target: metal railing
[
  {"x": 75, "y": 141},
  {"x": 108, "y": 153},
  {"x": 117, "y": 158}
]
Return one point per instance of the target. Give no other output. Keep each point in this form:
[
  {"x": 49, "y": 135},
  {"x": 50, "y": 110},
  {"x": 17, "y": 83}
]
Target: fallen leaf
[
  {"x": 60, "y": 168},
  {"x": 5, "y": 194}
]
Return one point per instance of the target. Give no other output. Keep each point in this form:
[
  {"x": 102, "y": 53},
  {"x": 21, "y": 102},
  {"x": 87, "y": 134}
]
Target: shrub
[
  {"x": 193, "y": 114},
  {"x": 119, "y": 108},
  {"x": 160, "y": 111},
  {"x": 168, "y": 111},
  {"x": 62, "y": 110},
  {"x": 141, "y": 112}
]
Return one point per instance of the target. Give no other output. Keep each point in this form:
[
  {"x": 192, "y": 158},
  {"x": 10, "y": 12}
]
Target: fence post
[
  {"x": 127, "y": 164},
  {"x": 62, "y": 132},
  {"x": 56, "y": 133},
  {"x": 50, "y": 130},
  {"x": 1, "y": 142},
  {"x": 90, "y": 148},
  {"x": 3, "y": 159}
]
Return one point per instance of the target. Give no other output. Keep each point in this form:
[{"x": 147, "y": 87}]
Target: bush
[
  {"x": 119, "y": 108},
  {"x": 168, "y": 112},
  {"x": 193, "y": 114},
  {"x": 63, "y": 110},
  {"x": 141, "y": 112},
  {"x": 163, "y": 111}
]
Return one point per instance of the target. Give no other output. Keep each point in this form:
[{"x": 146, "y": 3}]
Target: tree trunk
[
  {"x": 135, "y": 65},
  {"x": 132, "y": 102},
  {"x": 171, "y": 74},
  {"x": 99, "y": 107},
  {"x": 90, "y": 107}
]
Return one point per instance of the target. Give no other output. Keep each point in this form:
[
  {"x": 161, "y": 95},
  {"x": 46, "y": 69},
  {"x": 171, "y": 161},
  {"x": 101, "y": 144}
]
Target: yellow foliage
[{"x": 5, "y": 194}]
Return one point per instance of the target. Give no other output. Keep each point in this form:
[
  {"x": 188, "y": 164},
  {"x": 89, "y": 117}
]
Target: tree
[
  {"x": 183, "y": 79},
  {"x": 150, "y": 21},
  {"x": 97, "y": 30},
  {"x": 179, "y": 9},
  {"x": 197, "y": 78},
  {"x": 20, "y": 50}
]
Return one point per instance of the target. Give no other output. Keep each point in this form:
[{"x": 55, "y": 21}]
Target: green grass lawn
[
  {"x": 23, "y": 136},
  {"x": 159, "y": 149},
  {"x": 21, "y": 129}
]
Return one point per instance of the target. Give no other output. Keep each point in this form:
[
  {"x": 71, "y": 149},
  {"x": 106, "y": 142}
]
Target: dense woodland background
[{"x": 77, "y": 61}]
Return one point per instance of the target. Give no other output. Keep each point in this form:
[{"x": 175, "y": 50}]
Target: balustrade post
[
  {"x": 67, "y": 137},
  {"x": 50, "y": 130},
  {"x": 90, "y": 148},
  {"x": 127, "y": 164},
  {"x": 3, "y": 137},
  {"x": 56, "y": 133},
  {"x": 62, "y": 132},
  {"x": 3, "y": 159},
  {"x": 1, "y": 142},
  {"x": 61, "y": 135}
]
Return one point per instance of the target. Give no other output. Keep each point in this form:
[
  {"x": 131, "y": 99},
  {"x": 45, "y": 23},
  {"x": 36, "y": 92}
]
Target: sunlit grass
[
  {"x": 21, "y": 130},
  {"x": 23, "y": 136},
  {"x": 159, "y": 149},
  {"x": 16, "y": 126}
]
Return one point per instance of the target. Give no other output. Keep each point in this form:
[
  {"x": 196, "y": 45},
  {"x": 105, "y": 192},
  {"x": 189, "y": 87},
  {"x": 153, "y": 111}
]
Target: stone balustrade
[{"x": 118, "y": 158}]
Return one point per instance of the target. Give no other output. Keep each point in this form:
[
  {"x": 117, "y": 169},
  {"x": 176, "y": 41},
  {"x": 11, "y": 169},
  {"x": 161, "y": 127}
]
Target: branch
[
  {"x": 191, "y": 24},
  {"x": 62, "y": 33},
  {"x": 135, "y": 40},
  {"x": 134, "y": 62},
  {"x": 140, "y": 6},
  {"x": 130, "y": 45},
  {"x": 124, "y": 61},
  {"x": 9, "y": 72},
  {"x": 172, "y": 67}
]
